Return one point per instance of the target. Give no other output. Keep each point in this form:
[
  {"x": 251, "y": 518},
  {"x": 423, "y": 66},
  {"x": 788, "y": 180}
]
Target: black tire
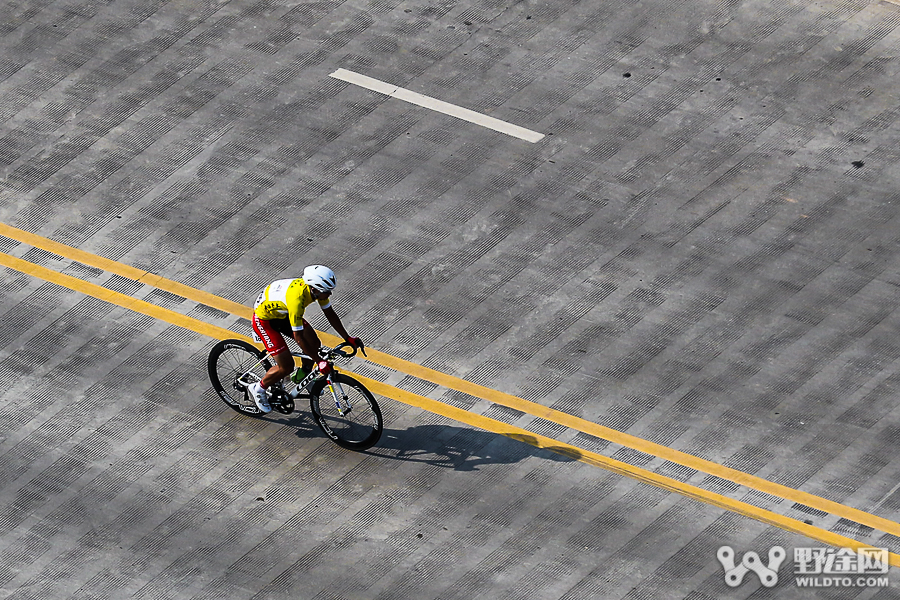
[
  {"x": 228, "y": 360},
  {"x": 359, "y": 429}
]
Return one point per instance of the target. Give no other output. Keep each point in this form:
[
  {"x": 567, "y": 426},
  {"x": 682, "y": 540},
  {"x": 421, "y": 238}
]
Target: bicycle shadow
[
  {"x": 448, "y": 446},
  {"x": 461, "y": 448}
]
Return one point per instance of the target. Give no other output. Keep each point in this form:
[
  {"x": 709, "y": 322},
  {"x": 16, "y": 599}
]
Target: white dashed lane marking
[{"x": 437, "y": 105}]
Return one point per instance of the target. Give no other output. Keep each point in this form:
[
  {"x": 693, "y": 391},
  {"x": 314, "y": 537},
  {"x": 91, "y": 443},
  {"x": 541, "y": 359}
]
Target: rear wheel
[
  {"x": 347, "y": 412},
  {"x": 233, "y": 365}
]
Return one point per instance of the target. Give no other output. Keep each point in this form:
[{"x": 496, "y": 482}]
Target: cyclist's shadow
[{"x": 461, "y": 448}]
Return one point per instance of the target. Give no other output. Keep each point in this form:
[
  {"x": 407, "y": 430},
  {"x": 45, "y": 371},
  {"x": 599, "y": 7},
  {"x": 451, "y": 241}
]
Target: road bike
[{"x": 341, "y": 406}]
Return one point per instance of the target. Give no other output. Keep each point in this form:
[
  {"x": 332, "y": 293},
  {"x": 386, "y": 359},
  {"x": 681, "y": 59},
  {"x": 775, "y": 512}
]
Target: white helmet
[{"x": 319, "y": 277}]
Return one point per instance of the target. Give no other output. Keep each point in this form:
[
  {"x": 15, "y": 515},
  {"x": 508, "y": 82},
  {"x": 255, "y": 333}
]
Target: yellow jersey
[{"x": 286, "y": 299}]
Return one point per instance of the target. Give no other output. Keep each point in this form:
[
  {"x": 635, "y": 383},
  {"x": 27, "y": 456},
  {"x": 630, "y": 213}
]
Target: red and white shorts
[{"x": 271, "y": 333}]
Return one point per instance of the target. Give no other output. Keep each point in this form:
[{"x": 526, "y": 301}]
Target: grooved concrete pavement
[{"x": 702, "y": 251}]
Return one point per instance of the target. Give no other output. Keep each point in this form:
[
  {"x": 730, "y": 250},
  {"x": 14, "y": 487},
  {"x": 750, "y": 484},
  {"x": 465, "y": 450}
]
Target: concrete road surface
[{"x": 629, "y": 269}]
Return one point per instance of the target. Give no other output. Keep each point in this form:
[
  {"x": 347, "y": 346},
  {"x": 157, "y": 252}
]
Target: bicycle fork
[{"x": 341, "y": 400}]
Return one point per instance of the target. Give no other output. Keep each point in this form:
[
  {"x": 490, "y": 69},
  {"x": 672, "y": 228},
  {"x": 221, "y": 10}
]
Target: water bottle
[{"x": 299, "y": 375}]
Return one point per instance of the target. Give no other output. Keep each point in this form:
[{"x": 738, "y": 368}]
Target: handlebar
[
  {"x": 330, "y": 354},
  {"x": 339, "y": 350}
]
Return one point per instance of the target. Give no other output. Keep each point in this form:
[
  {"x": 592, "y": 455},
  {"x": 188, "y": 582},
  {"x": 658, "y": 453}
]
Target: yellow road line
[
  {"x": 113, "y": 297},
  {"x": 636, "y": 443},
  {"x": 117, "y": 268},
  {"x": 460, "y": 415},
  {"x": 616, "y": 466},
  {"x": 449, "y": 381}
]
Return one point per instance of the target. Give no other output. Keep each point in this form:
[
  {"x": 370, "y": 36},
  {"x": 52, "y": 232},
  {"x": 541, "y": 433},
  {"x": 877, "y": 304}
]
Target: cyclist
[{"x": 279, "y": 310}]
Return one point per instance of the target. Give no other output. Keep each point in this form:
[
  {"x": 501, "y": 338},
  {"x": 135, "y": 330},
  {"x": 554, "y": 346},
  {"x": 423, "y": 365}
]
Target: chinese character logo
[
  {"x": 734, "y": 573},
  {"x": 843, "y": 561}
]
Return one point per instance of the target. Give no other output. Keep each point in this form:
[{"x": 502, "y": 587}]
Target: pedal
[
  {"x": 285, "y": 407},
  {"x": 280, "y": 401}
]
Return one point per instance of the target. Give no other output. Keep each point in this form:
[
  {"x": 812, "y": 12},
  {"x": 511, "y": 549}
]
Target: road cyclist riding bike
[
  {"x": 253, "y": 381},
  {"x": 279, "y": 310}
]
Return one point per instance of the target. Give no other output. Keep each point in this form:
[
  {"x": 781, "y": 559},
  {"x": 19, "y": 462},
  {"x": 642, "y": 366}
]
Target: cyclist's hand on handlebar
[{"x": 357, "y": 344}]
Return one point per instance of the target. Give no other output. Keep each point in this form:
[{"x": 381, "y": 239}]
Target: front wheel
[
  {"x": 233, "y": 365},
  {"x": 346, "y": 411}
]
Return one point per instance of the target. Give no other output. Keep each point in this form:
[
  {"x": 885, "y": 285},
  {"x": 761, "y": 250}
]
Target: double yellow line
[{"x": 457, "y": 414}]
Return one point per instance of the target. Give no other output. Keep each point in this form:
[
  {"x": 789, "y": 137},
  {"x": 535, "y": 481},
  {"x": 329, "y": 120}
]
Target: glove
[
  {"x": 354, "y": 342},
  {"x": 324, "y": 367}
]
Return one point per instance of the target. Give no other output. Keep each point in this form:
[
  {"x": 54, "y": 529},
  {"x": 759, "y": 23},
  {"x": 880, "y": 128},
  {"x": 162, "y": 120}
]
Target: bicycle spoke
[
  {"x": 348, "y": 413},
  {"x": 229, "y": 360}
]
